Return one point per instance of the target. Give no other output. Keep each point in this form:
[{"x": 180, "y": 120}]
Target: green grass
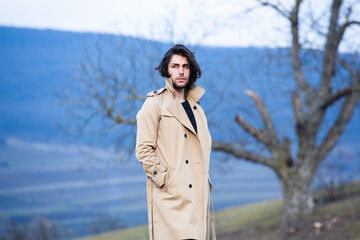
[
  {"x": 263, "y": 221},
  {"x": 262, "y": 214},
  {"x": 227, "y": 220},
  {"x": 135, "y": 233}
]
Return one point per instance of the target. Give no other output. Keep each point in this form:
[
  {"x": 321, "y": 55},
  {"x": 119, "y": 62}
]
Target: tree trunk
[{"x": 298, "y": 199}]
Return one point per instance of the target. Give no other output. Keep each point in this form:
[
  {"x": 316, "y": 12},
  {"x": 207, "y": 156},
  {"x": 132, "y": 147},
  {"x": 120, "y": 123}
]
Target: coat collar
[
  {"x": 194, "y": 94},
  {"x": 177, "y": 109}
]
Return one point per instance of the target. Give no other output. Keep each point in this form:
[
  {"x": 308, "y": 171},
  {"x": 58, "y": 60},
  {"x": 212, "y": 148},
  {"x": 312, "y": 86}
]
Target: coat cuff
[{"x": 159, "y": 180}]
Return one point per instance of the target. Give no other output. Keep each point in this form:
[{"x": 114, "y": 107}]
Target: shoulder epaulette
[{"x": 156, "y": 92}]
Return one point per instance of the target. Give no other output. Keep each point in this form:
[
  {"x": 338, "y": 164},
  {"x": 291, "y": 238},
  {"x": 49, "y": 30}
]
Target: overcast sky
[{"x": 223, "y": 23}]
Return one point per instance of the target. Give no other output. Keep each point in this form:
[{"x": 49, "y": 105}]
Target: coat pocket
[{"x": 169, "y": 179}]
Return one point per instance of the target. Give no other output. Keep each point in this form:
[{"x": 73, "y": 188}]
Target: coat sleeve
[{"x": 147, "y": 129}]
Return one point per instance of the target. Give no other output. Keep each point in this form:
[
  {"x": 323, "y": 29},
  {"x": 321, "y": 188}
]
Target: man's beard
[{"x": 178, "y": 87}]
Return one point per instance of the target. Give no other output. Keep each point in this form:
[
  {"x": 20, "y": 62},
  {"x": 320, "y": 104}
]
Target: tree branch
[
  {"x": 352, "y": 95},
  {"x": 269, "y": 126},
  {"x": 330, "y": 100},
  {"x": 282, "y": 12},
  {"x": 267, "y": 136},
  {"x": 346, "y": 25},
  {"x": 337, "y": 129},
  {"x": 331, "y": 47},
  {"x": 117, "y": 117},
  {"x": 293, "y": 17},
  {"x": 299, "y": 118},
  {"x": 234, "y": 150},
  {"x": 295, "y": 49},
  {"x": 335, "y": 97},
  {"x": 250, "y": 129},
  {"x": 352, "y": 72},
  {"x": 347, "y": 22}
]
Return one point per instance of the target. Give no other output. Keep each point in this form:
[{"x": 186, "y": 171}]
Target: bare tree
[
  {"x": 104, "y": 93},
  {"x": 107, "y": 90},
  {"x": 109, "y": 84},
  {"x": 310, "y": 104}
]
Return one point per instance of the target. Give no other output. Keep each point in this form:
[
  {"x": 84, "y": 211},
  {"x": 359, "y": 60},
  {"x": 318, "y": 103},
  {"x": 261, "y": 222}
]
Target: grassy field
[{"x": 339, "y": 220}]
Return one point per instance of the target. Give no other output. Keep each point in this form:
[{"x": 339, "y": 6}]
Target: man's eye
[{"x": 186, "y": 66}]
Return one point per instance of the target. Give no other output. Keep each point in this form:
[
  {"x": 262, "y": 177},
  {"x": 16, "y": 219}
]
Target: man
[{"x": 173, "y": 144}]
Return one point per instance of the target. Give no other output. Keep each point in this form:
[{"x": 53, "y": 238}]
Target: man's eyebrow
[{"x": 175, "y": 63}]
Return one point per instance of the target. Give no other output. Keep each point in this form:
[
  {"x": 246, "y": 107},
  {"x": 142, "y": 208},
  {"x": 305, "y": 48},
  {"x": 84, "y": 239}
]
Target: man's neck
[{"x": 180, "y": 94}]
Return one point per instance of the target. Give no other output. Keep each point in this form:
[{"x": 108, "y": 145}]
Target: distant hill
[{"x": 35, "y": 64}]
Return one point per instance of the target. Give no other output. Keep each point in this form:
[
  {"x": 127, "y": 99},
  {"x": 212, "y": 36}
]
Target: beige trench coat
[{"x": 176, "y": 161}]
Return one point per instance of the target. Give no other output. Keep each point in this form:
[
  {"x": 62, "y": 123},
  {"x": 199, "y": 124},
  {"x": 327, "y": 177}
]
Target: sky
[{"x": 211, "y": 22}]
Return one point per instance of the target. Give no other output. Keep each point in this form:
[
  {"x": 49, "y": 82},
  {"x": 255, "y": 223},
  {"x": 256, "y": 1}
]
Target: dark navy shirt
[{"x": 190, "y": 114}]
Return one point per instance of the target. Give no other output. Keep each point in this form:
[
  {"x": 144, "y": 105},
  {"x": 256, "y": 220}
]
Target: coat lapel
[{"x": 176, "y": 108}]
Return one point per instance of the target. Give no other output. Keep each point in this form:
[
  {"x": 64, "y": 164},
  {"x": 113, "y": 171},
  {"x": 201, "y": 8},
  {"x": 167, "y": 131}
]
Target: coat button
[
  {"x": 190, "y": 186},
  {"x": 187, "y": 161},
  {"x": 194, "y": 107},
  {"x": 185, "y": 135},
  {"x": 155, "y": 172}
]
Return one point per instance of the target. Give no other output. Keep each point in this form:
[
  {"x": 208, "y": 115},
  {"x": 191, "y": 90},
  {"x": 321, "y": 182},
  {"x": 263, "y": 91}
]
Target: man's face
[{"x": 179, "y": 71}]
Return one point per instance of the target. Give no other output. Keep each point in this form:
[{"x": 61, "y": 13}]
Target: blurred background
[{"x": 282, "y": 102}]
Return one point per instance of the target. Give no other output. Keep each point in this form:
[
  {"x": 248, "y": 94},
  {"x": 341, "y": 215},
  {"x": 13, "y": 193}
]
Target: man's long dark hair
[{"x": 178, "y": 49}]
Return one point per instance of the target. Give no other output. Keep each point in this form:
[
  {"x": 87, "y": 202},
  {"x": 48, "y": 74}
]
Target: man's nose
[{"x": 181, "y": 70}]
